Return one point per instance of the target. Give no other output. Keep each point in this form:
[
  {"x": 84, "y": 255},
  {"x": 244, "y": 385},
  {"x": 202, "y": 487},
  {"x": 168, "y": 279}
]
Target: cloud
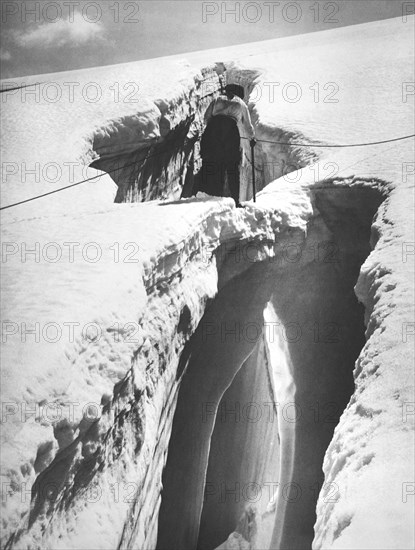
[
  {"x": 76, "y": 32},
  {"x": 5, "y": 55}
]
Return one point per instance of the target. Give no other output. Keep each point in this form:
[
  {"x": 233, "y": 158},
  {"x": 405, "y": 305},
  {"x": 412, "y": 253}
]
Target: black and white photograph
[{"x": 207, "y": 274}]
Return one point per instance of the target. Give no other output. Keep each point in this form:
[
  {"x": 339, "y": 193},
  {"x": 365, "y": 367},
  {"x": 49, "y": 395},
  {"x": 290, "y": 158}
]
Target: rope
[
  {"x": 335, "y": 145},
  {"x": 157, "y": 154},
  {"x": 94, "y": 177},
  {"x": 83, "y": 181}
]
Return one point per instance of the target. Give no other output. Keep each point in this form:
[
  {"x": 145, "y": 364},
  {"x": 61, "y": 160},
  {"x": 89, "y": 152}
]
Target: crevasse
[{"x": 268, "y": 374}]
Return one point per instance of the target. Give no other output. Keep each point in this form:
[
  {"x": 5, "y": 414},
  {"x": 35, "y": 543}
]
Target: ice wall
[
  {"x": 91, "y": 477},
  {"x": 156, "y": 153}
]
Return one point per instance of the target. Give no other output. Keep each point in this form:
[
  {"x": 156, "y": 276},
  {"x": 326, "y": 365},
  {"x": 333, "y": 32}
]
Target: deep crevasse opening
[{"x": 278, "y": 344}]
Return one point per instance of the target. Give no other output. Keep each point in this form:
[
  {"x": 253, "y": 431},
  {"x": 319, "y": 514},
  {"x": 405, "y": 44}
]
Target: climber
[{"x": 226, "y": 118}]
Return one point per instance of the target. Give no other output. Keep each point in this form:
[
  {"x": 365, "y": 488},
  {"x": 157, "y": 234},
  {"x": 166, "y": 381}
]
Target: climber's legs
[
  {"x": 212, "y": 178},
  {"x": 232, "y": 171},
  {"x": 220, "y": 151}
]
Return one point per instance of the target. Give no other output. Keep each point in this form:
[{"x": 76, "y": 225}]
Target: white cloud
[
  {"x": 78, "y": 31},
  {"x": 5, "y": 55}
]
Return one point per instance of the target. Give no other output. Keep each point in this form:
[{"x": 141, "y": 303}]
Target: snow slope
[{"x": 104, "y": 395}]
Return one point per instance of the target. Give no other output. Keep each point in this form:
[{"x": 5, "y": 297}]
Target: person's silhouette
[{"x": 220, "y": 146}]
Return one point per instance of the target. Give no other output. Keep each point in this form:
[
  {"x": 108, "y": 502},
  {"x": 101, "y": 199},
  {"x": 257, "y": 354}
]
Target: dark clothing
[
  {"x": 221, "y": 155},
  {"x": 235, "y": 89}
]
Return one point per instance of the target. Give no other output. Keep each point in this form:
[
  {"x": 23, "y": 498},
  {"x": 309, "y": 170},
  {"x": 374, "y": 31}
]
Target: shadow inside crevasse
[{"x": 211, "y": 461}]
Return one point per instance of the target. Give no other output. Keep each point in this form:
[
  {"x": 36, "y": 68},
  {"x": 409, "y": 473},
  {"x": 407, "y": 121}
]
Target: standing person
[{"x": 226, "y": 118}]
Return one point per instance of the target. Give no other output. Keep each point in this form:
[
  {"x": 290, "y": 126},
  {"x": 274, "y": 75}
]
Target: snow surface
[{"x": 371, "y": 452}]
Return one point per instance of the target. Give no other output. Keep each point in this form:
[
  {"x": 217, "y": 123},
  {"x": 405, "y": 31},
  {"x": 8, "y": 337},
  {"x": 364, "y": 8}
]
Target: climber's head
[{"x": 232, "y": 90}]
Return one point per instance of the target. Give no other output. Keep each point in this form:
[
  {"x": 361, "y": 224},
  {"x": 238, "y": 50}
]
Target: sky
[{"x": 46, "y": 36}]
